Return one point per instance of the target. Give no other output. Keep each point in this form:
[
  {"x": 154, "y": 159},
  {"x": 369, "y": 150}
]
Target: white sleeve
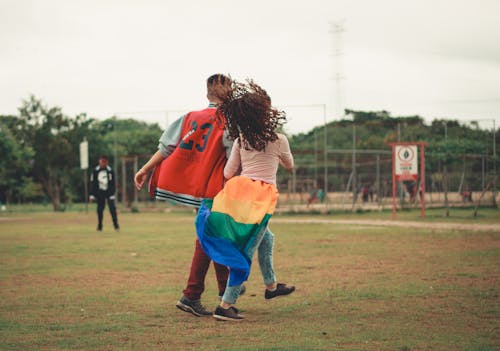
[{"x": 171, "y": 137}]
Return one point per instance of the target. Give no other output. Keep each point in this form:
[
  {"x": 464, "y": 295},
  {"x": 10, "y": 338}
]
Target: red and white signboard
[
  {"x": 405, "y": 167},
  {"x": 406, "y": 162}
]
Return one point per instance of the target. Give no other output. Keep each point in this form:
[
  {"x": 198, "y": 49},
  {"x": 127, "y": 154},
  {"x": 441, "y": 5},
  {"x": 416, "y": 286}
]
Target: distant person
[
  {"x": 372, "y": 192},
  {"x": 467, "y": 195},
  {"x": 102, "y": 189},
  {"x": 313, "y": 197},
  {"x": 316, "y": 195},
  {"x": 365, "y": 192},
  {"x": 412, "y": 191}
]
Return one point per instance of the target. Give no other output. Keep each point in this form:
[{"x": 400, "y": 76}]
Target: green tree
[
  {"x": 14, "y": 163},
  {"x": 49, "y": 132}
]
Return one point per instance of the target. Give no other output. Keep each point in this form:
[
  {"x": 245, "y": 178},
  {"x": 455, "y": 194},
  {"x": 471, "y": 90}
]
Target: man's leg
[
  {"x": 190, "y": 301},
  {"x": 222, "y": 274},
  {"x": 101, "y": 203},
  {"x": 199, "y": 267},
  {"x": 112, "y": 210}
]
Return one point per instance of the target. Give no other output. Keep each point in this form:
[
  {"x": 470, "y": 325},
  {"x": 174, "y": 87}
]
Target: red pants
[{"x": 199, "y": 268}]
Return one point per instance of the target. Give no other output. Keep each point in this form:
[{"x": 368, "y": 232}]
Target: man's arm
[
  {"x": 227, "y": 143},
  {"x": 142, "y": 174},
  {"x": 167, "y": 144},
  {"x": 233, "y": 163}
]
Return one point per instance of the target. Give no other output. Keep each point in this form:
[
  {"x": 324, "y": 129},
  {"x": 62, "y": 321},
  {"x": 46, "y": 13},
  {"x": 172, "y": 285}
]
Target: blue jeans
[{"x": 264, "y": 243}]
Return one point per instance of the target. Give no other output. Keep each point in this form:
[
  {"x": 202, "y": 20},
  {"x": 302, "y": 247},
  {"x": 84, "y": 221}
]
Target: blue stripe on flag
[{"x": 222, "y": 251}]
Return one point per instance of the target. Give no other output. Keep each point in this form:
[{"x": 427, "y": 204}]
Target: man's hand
[
  {"x": 140, "y": 179},
  {"x": 91, "y": 198}
]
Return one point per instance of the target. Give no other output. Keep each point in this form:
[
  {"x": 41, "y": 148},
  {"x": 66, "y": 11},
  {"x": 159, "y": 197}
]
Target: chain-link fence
[
  {"x": 364, "y": 178},
  {"x": 361, "y": 176}
]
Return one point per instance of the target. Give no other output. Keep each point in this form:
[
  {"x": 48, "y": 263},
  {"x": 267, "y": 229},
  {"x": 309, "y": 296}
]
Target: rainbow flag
[{"x": 228, "y": 225}]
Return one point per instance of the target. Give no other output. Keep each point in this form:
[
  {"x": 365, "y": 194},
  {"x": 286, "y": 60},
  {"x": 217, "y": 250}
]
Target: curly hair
[{"x": 249, "y": 115}]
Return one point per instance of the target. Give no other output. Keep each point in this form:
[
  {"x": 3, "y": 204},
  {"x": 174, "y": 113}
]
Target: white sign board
[
  {"x": 84, "y": 155},
  {"x": 406, "y": 165}
]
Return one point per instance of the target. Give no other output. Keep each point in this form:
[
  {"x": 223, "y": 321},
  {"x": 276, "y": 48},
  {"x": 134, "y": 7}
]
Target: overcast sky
[{"x": 434, "y": 58}]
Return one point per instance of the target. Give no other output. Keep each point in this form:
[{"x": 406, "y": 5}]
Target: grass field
[{"x": 64, "y": 286}]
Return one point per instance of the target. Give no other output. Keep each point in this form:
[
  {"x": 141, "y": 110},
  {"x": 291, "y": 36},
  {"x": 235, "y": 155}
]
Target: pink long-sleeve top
[{"x": 260, "y": 165}]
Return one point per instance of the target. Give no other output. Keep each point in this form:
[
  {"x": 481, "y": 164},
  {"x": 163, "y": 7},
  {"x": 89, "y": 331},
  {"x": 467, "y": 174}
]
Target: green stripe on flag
[{"x": 224, "y": 226}]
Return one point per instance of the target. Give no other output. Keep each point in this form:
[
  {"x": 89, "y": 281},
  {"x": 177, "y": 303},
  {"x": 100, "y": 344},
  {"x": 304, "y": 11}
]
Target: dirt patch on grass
[
  {"x": 94, "y": 280},
  {"x": 402, "y": 224},
  {"x": 15, "y": 219}
]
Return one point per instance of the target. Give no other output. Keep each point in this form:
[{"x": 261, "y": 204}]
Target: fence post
[
  {"x": 136, "y": 164},
  {"x": 124, "y": 185}
]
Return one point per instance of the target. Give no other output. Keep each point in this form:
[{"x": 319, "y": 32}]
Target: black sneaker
[
  {"x": 99, "y": 228},
  {"x": 231, "y": 314},
  {"x": 192, "y": 306},
  {"x": 243, "y": 289},
  {"x": 281, "y": 290}
]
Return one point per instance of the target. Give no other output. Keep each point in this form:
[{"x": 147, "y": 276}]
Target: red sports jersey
[{"x": 195, "y": 169}]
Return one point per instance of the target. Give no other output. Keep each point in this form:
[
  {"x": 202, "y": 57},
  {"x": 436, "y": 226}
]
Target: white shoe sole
[
  {"x": 189, "y": 309},
  {"x": 223, "y": 318}
]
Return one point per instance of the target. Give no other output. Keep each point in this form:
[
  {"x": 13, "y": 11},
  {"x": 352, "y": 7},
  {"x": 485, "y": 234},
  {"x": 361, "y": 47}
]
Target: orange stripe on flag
[{"x": 247, "y": 201}]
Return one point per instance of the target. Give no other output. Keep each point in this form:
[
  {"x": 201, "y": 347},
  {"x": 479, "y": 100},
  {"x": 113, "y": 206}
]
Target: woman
[{"x": 232, "y": 226}]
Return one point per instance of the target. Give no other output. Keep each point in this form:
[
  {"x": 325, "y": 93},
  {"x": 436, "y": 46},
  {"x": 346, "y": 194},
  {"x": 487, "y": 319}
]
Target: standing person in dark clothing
[{"x": 102, "y": 188}]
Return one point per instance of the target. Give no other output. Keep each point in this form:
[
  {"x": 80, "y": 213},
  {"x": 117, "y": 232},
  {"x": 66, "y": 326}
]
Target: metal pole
[
  {"x": 399, "y": 184},
  {"x": 326, "y": 155},
  {"x": 378, "y": 179},
  {"x": 85, "y": 180},
  {"x": 115, "y": 160},
  {"x": 315, "y": 158},
  {"x": 354, "y": 173},
  {"x": 124, "y": 186},
  {"x": 482, "y": 173},
  {"x": 393, "y": 182},
  {"x": 494, "y": 166},
  {"x": 445, "y": 176},
  {"x": 136, "y": 168},
  {"x": 422, "y": 179}
]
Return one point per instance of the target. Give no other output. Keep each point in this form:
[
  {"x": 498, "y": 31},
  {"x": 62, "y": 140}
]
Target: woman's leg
[
  {"x": 265, "y": 254},
  {"x": 233, "y": 292},
  {"x": 230, "y": 296},
  {"x": 273, "y": 289}
]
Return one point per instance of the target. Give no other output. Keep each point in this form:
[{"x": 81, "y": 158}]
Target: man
[
  {"x": 102, "y": 188},
  {"x": 189, "y": 166}
]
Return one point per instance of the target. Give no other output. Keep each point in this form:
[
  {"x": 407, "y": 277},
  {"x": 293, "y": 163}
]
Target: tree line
[
  {"x": 40, "y": 151},
  {"x": 454, "y": 152},
  {"x": 40, "y": 145}
]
